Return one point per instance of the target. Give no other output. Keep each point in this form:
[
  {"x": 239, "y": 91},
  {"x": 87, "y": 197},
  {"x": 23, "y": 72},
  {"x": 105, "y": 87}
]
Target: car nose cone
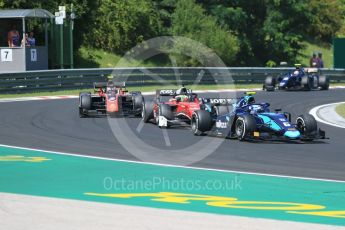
[{"x": 292, "y": 134}]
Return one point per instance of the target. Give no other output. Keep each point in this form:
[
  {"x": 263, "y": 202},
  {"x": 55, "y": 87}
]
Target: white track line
[
  {"x": 174, "y": 166},
  {"x": 314, "y": 112}
]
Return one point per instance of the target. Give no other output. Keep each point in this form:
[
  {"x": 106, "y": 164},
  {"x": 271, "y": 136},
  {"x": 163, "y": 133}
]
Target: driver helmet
[
  {"x": 296, "y": 72},
  {"x": 181, "y": 90},
  {"x": 182, "y": 97},
  {"x": 250, "y": 100}
]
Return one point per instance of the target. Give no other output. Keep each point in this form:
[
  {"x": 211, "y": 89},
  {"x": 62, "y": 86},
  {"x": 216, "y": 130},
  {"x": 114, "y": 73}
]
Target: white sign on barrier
[
  {"x": 33, "y": 54},
  {"x": 58, "y": 18},
  {"x": 6, "y": 55}
]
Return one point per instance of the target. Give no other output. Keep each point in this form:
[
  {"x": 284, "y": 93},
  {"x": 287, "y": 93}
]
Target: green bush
[
  {"x": 190, "y": 20},
  {"x": 120, "y": 25}
]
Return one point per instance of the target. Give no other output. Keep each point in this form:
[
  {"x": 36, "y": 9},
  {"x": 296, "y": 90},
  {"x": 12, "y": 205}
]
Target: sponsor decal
[
  {"x": 222, "y": 125},
  {"x": 286, "y": 124},
  {"x": 167, "y": 91},
  {"x": 229, "y": 202},
  {"x": 220, "y": 100}
]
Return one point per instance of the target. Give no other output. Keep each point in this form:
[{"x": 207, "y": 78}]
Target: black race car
[{"x": 298, "y": 79}]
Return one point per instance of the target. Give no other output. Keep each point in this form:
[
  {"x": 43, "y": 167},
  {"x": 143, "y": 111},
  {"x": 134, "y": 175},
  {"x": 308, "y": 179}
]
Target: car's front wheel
[
  {"x": 306, "y": 124},
  {"x": 244, "y": 125}
]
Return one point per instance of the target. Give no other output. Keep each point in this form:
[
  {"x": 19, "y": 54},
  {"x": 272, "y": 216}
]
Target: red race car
[
  {"x": 110, "y": 98},
  {"x": 171, "y": 107}
]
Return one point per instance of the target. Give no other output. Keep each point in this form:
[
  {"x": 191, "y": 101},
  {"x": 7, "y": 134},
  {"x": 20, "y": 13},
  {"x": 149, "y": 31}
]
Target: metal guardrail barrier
[{"x": 52, "y": 80}]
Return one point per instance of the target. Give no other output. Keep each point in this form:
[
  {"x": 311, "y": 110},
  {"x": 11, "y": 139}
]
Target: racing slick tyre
[
  {"x": 306, "y": 124},
  {"x": 307, "y": 83},
  {"x": 147, "y": 111},
  {"x": 85, "y": 102},
  {"x": 270, "y": 83},
  {"x": 323, "y": 82},
  {"x": 138, "y": 103},
  {"x": 201, "y": 122},
  {"x": 165, "y": 111},
  {"x": 221, "y": 110},
  {"x": 244, "y": 125}
]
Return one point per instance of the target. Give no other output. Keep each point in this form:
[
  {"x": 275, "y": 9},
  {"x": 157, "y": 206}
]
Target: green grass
[
  {"x": 325, "y": 49},
  {"x": 340, "y": 109}
]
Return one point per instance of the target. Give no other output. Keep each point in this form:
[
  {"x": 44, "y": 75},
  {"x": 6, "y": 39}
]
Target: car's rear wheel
[
  {"x": 307, "y": 83},
  {"x": 244, "y": 125},
  {"x": 323, "y": 82},
  {"x": 201, "y": 122},
  {"x": 85, "y": 104},
  {"x": 137, "y": 101},
  {"x": 270, "y": 83},
  {"x": 147, "y": 111}
]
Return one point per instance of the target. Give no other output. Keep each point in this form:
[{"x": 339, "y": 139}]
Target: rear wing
[
  {"x": 219, "y": 101},
  {"x": 311, "y": 70},
  {"x": 172, "y": 92},
  {"x": 99, "y": 85},
  {"x": 120, "y": 84}
]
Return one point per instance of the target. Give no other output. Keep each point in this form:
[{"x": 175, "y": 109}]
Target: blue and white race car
[
  {"x": 247, "y": 120},
  {"x": 298, "y": 79}
]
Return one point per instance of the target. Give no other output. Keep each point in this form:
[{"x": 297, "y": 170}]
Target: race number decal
[
  {"x": 33, "y": 55},
  {"x": 6, "y": 55}
]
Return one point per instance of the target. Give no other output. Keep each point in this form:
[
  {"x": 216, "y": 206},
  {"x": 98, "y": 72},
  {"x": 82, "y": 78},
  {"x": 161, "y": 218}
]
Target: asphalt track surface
[{"x": 55, "y": 125}]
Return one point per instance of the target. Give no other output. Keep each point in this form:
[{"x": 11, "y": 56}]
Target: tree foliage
[
  {"x": 250, "y": 33},
  {"x": 326, "y": 18},
  {"x": 275, "y": 29},
  {"x": 120, "y": 25},
  {"x": 189, "y": 20}
]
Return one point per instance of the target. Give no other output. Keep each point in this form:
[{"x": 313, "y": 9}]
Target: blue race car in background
[
  {"x": 298, "y": 79},
  {"x": 248, "y": 120}
]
